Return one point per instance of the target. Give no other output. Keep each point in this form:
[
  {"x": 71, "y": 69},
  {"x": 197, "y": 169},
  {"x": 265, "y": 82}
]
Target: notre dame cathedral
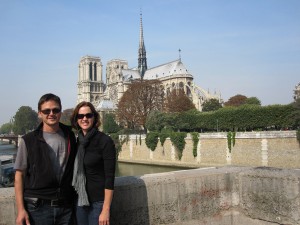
[{"x": 105, "y": 95}]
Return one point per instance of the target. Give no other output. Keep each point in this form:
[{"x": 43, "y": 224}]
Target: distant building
[
  {"x": 297, "y": 92},
  {"x": 106, "y": 95}
]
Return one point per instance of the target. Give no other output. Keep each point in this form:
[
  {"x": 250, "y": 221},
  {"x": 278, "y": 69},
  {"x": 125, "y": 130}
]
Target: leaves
[
  {"x": 178, "y": 140},
  {"x": 6, "y": 128},
  {"x": 109, "y": 124},
  {"x": 211, "y": 105},
  {"x": 25, "y": 120},
  {"x": 152, "y": 140},
  {"x": 141, "y": 98},
  {"x": 65, "y": 116},
  {"x": 178, "y": 101},
  {"x": 236, "y": 100}
]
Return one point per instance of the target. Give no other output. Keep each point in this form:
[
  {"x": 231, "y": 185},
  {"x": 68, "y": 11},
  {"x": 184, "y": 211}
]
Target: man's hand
[{"x": 22, "y": 217}]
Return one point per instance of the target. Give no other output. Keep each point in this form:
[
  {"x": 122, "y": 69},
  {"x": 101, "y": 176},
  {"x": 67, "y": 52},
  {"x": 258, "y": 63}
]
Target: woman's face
[{"x": 85, "y": 118}]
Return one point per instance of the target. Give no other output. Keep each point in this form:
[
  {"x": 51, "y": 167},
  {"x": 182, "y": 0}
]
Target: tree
[
  {"x": 26, "y": 119},
  {"x": 109, "y": 124},
  {"x": 65, "y": 116},
  {"x": 141, "y": 97},
  {"x": 211, "y": 105},
  {"x": 252, "y": 101},
  {"x": 178, "y": 101},
  {"x": 296, "y": 113},
  {"x": 6, "y": 128},
  {"x": 155, "y": 121},
  {"x": 236, "y": 100}
]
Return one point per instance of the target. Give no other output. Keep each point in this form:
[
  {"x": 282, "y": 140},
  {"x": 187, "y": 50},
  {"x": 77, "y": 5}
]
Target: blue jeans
[
  {"x": 89, "y": 215},
  {"x": 44, "y": 214}
]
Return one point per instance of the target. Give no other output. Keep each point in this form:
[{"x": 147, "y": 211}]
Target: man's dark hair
[{"x": 48, "y": 97}]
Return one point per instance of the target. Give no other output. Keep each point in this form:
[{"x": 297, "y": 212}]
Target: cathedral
[{"x": 105, "y": 95}]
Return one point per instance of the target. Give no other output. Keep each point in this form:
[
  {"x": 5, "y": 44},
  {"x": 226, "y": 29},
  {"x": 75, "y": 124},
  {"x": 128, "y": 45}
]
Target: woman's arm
[{"x": 105, "y": 214}]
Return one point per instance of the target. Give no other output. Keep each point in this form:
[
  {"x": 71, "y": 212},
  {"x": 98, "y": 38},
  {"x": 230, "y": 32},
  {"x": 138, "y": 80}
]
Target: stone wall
[
  {"x": 211, "y": 196},
  {"x": 273, "y": 148}
]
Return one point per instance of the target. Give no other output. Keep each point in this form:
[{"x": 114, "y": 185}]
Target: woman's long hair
[{"x": 73, "y": 118}]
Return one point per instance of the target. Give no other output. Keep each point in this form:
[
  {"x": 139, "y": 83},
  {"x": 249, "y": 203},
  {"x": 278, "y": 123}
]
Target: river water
[{"x": 122, "y": 169}]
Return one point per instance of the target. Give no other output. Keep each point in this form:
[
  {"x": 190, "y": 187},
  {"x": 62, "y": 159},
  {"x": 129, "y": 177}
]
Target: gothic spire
[{"x": 142, "y": 60}]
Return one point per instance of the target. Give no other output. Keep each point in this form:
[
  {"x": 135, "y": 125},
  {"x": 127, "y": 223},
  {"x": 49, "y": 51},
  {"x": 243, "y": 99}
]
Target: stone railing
[{"x": 226, "y": 195}]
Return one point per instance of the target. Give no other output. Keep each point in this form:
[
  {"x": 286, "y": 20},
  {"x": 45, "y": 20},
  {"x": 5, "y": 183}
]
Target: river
[{"x": 122, "y": 168}]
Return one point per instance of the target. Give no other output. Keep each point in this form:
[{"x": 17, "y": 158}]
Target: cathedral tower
[
  {"x": 114, "y": 79},
  {"x": 90, "y": 84}
]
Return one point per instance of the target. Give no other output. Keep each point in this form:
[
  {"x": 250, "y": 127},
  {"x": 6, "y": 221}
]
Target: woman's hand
[{"x": 104, "y": 217}]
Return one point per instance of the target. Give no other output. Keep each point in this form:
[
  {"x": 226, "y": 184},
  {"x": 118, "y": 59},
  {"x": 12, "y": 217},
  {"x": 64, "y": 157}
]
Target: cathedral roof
[
  {"x": 172, "y": 68},
  {"x": 106, "y": 105},
  {"x": 130, "y": 74}
]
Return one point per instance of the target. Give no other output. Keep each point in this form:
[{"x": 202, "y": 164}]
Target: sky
[{"x": 248, "y": 47}]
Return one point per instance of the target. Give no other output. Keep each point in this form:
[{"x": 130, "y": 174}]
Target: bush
[
  {"x": 152, "y": 140},
  {"x": 178, "y": 140},
  {"x": 195, "y": 137}
]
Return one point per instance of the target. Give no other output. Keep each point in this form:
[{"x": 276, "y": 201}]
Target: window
[
  {"x": 90, "y": 71},
  {"x": 95, "y": 71}
]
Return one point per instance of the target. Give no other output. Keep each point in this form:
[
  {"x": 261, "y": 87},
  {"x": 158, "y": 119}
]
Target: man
[{"x": 44, "y": 169}]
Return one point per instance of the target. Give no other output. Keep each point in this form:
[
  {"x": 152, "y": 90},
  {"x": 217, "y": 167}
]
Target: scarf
[{"x": 79, "y": 179}]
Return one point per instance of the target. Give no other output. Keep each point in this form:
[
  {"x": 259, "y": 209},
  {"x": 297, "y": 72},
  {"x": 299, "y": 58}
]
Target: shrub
[
  {"x": 298, "y": 135},
  {"x": 152, "y": 140},
  {"x": 195, "y": 137},
  {"x": 178, "y": 140}
]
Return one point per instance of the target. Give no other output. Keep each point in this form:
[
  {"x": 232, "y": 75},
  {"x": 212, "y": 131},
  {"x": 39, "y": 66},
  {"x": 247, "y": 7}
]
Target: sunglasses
[
  {"x": 48, "y": 111},
  {"x": 88, "y": 116}
]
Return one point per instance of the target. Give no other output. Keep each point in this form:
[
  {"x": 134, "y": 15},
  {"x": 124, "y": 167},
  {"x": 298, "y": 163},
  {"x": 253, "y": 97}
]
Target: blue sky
[{"x": 249, "y": 47}]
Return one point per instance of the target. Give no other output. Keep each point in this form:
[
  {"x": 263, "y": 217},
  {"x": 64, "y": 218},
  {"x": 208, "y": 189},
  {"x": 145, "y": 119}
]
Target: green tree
[
  {"x": 109, "y": 124},
  {"x": 6, "y": 128},
  {"x": 26, "y": 119},
  {"x": 211, "y": 105},
  {"x": 155, "y": 121},
  {"x": 296, "y": 114},
  {"x": 253, "y": 101}
]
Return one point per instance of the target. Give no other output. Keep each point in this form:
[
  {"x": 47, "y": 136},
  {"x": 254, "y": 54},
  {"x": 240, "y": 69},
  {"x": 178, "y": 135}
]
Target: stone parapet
[{"x": 211, "y": 196}]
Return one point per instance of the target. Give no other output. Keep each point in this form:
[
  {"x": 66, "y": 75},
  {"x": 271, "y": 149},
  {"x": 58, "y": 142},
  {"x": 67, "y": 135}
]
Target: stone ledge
[{"x": 225, "y": 195}]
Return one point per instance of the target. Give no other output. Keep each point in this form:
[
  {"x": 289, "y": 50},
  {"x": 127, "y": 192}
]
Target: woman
[{"x": 94, "y": 168}]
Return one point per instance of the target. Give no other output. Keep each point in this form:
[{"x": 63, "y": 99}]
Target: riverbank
[
  {"x": 122, "y": 168},
  {"x": 266, "y": 148}
]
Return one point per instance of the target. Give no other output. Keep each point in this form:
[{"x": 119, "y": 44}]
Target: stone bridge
[
  {"x": 212, "y": 196},
  {"x": 11, "y": 138}
]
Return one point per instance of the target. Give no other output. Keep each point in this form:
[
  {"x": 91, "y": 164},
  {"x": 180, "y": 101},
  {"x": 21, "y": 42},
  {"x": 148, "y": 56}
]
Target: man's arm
[{"x": 22, "y": 215}]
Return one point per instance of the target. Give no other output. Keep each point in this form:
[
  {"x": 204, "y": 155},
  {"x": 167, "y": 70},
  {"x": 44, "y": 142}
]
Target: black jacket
[
  {"x": 99, "y": 164},
  {"x": 40, "y": 180}
]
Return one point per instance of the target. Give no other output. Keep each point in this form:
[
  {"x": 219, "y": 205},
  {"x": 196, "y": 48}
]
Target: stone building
[{"x": 105, "y": 95}]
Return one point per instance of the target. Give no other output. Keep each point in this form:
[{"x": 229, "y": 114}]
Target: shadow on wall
[{"x": 130, "y": 204}]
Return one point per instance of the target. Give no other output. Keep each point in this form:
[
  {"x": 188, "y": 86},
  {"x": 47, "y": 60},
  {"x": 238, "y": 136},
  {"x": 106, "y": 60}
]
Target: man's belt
[
  {"x": 56, "y": 202},
  {"x": 51, "y": 202}
]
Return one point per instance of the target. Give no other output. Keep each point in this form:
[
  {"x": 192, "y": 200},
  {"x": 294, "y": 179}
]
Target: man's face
[{"x": 50, "y": 113}]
